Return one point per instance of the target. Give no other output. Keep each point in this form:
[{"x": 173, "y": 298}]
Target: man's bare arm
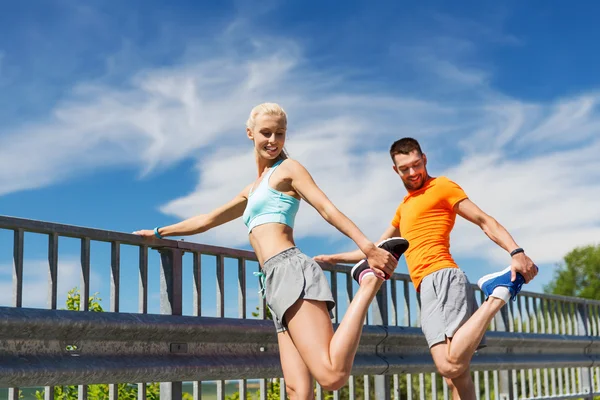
[
  {"x": 356, "y": 255},
  {"x": 498, "y": 234}
]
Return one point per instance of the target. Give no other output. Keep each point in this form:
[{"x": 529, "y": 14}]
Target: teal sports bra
[{"x": 266, "y": 205}]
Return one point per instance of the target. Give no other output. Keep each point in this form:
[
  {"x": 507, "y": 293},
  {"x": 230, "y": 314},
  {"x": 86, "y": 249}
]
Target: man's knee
[{"x": 451, "y": 369}]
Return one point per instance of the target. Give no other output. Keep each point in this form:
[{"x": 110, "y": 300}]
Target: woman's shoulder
[{"x": 291, "y": 165}]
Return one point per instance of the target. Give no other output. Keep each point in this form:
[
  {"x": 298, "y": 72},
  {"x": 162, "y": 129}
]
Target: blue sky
[{"x": 128, "y": 115}]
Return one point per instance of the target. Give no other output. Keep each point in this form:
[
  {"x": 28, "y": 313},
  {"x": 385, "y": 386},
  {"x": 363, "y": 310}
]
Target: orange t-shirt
[{"x": 425, "y": 218}]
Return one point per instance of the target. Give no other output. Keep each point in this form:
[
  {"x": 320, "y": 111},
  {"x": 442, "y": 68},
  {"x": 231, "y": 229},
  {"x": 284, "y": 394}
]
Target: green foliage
[
  {"x": 74, "y": 301},
  {"x": 268, "y": 314},
  {"x": 578, "y": 275},
  {"x": 127, "y": 391}
]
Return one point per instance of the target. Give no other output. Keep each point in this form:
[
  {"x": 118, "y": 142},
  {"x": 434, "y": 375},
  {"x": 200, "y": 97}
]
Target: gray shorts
[
  {"x": 290, "y": 276},
  {"x": 447, "y": 302}
]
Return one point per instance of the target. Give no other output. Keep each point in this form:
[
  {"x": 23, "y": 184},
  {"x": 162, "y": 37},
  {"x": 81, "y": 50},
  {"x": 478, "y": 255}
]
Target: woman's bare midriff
[{"x": 271, "y": 239}]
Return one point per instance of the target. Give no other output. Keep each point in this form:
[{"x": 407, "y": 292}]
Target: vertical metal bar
[
  {"x": 282, "y": 390},
  {"x": 334, "y": 292},
  {"x": 115, "y": 288},
  {"x": 546, "y": 328},
  {"x": 445, "y": 389},
  {"x": 319, "y": 392},
  {"x": 52, "y": 289},
  {"x": 141, "y": 395},
  {"x": 242, "y": 314},
  {"x": 17, "y": 283},
  {"x": 565, "y": 317},
  {"x": 220, "y": 291},
  {"x": 394, "y": 305},
  {"x": 556, "y": 317},
  {"x": 497, "y": 385},
  {"x": 262, "y": 305},
  {"x": 531, "y": 382},
  {"x": 18, "y": 268},
  {"x": 583, "y": 329},
  {"x": 220, "y": 390},
  {"x": 52, "y": 270},
  {"x": 82, "y": 392},
  {"x": 421, "y": 387},
  {"x": 142, "y": 300},
  {"x": 143, "y": 281},
  {"x": 519, "y": 328},
  {"x": 530, "y": 321},
  {"x": 505, "y": 378},
  {"x": 171, "y": 304},
  {"x": 476, "y": 382},
  {"x": 409, "y": 388},
  {"x": 115, "y": 273},
  {"x": 434, "y": 386},
  {"x": 406, "y": 304},
  {"x": 515, "y": 384},
  {"x": 349, "y": 296},
  {"x": 535, "y": 327},
  {"x": 263, "y": 389},
  {"x": 197, "y": 311},
  {"x": 241, "y": 288},
  {"x": 220, "y": 286},
  {"x": 486, "y": 384},
  {"x": 543, "y": 316},
  {"x": 85, "y": 275},
  {"x": 380, "y": 317},
  {"x": 557, "y": 375},
  {"x": 367, "y": 387},
  {"x": 84, "y": 295},
  {"x": 396, "y": 387}
]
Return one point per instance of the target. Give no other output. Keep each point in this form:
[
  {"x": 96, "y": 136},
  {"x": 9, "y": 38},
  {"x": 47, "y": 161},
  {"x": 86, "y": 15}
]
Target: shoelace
[
  {"x": 517, "y": 285},
  {"x": 261, "y": 282}
]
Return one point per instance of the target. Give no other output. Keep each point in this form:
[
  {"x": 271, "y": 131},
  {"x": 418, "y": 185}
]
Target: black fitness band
[{"x": 517, "y": 251}]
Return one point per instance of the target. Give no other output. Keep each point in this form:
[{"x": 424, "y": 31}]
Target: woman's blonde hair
[{"x": 268, "y": 109}]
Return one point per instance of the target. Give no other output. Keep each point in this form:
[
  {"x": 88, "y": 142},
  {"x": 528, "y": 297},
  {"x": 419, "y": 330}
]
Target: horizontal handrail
[{"x": 58, "y": 347}]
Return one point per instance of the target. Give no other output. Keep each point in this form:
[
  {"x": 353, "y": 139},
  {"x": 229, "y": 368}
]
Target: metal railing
[{"x": 540, "y": 346}]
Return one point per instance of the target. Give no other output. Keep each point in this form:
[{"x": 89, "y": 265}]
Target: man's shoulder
[{"x": 443, "y": 180}]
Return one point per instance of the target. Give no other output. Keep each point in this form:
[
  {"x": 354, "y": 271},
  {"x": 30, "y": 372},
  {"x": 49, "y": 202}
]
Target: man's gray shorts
[
  {"x": 290, "y": 276},
  {"x": 447, "y": 302}
]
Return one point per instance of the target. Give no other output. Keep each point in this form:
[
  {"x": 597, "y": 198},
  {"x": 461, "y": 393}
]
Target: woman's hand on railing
[{"x": 145, "y": 233}]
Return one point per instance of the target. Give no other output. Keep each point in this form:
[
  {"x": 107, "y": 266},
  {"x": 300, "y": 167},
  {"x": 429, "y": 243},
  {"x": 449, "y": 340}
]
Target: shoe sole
[
  {"x": 487, "y": 277},
  {"x": 380, "y": 245}
]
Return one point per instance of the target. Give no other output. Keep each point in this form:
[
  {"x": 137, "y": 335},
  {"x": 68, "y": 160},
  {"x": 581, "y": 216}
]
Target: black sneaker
[{"x": 395, "y": 245}]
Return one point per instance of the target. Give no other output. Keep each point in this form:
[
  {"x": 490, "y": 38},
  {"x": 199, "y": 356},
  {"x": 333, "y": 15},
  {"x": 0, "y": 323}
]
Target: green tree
[
  {"x": 578, "y": 275},
  {"x": 127, "y": 391}
]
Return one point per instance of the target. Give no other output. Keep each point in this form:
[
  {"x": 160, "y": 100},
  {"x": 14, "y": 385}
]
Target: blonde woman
[{"x": 296, "y": 289}]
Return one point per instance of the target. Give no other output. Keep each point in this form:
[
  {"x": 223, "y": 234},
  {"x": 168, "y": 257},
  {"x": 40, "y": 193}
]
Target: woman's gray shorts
[
  {"x": 447, "y": 302},
  {"x": 290, "y": 276}
]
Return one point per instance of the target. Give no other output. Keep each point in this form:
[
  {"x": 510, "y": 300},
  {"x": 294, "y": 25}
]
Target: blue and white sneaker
[
  {"x": 489, "y": 282},
  {"x": 395, "y": 245}
]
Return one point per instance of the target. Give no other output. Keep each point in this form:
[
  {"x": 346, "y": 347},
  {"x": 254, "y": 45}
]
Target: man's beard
[{"x": 415, "y": 185}]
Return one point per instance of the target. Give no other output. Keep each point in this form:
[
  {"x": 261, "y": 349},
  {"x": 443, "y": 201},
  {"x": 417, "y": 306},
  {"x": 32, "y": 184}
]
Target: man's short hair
[{"x": 405, "y": 146}]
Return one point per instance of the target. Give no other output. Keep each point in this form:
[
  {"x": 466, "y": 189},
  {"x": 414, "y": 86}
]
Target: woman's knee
[{"x": 333, "y": 380}]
